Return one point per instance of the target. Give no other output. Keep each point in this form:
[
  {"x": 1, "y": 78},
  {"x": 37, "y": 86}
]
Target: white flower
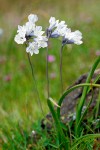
[
  {"x": 61, "y": 29},
  {"x": 53, "y": 23},
  {"x": 72, "y": 37},
  {"x": 41, "y": 41},
  {"x": 32, "y": 18},
  {"x": 32, "y": 35},
  {"x": 24, "y": 32},
  {"x": 20, "y": 39},
  {"x": 38, "y": 31},
  {"x": 21, "y": 29},
  {"x": 32, "y": 48},
  {"x": 30, "y": 27},
  {"x": 56, "y": 28}
]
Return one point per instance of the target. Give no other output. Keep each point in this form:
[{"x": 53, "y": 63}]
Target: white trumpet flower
[
  {"x": 60, "y": 29},
  {"x": 32, "y": 48},
  {"x": 32, "y": 35},
  {"x": 53, "y": 23},
  {"x": 56, "y": 28},
  {"x": 72, "y": 37},
  {"x": 32, "y": 18}
]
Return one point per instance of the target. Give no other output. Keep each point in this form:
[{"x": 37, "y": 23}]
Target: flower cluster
[
  {"x": 57, "y": 29},
  {"x": 72, "y": 37},
  {"x": 31, "y": 35}
]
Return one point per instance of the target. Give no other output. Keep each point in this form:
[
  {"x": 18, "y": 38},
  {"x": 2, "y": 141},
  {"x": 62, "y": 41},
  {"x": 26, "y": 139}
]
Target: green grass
[{"x": 18, "y": 100}]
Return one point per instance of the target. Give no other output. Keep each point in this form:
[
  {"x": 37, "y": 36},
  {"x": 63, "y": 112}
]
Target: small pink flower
[
  {"x": 53, "y": 75},
  {"x": 51, "y": 58},
  {"x": 7, "y": 78},
  {"x": 98, "y": 52}
]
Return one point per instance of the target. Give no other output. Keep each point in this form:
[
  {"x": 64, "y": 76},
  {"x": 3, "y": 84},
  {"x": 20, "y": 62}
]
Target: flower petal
[{"x": 32, "y": 18}]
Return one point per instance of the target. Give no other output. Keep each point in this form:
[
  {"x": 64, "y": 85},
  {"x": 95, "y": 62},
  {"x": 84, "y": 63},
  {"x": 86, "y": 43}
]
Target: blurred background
[{"x": 18, "y": 99}]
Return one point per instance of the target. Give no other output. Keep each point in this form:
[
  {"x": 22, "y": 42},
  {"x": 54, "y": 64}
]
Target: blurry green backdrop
[{"x": 18, "y": 99}]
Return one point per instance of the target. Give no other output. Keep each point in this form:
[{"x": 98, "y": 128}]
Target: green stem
[
  {"x": 97, "y": 106},
  {"x": 83, "y": 139},
  {"x": 61, "y": 81},
  {"x": 82, "y": 116},
  {"x": 69, "y": 91},
  {"x": 47, "y": 74},
  {"x": 95, "y": 81},
  {"x": 82, "y": 100},
  {"x": 97, "y": 78},
  {"x": 39, "y": 101},
  {"x": 63, "y": 141}
]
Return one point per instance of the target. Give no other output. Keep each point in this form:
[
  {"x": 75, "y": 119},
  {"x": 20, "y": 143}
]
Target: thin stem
[
  {"x": 61, "y": 81},
  {"x": 47, "y": 74},
  {"x": 39, "y": 101},
  {"x": 63, "y": 141},
  {"x": 82, "y": 139},
  {"x": 69, "y": 91},
  {"x": 84, "y": 113},
  {"x": 84, "y": 93},
  {"x": 97, "y": 106}
]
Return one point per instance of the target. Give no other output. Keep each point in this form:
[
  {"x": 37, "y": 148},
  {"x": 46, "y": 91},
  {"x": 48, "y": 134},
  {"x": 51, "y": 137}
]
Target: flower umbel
[
  {"x": 72, "y": 37},
  {"x": 60, "y": 30},
  {"x": 56, "y": 28},
  {"x": 32, "y": 48},
  {"x": 31, "y": 35},
  {"x": 53, "y": 23}
]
